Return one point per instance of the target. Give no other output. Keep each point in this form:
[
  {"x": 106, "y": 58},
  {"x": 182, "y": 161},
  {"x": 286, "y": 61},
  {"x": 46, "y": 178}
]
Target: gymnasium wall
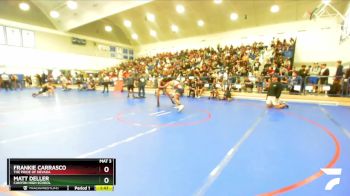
[
  {"x": 345, "y": 46},
  {"x": 317, "y": 41},
  {"x": 31, "y": 61},
  {"x": 345, "y": 49},
  {"x": 54, "y": 50}
]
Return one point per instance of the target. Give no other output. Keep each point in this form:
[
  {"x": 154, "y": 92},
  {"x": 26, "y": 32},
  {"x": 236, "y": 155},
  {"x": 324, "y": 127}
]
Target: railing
[{"x": 328, "y": 85}]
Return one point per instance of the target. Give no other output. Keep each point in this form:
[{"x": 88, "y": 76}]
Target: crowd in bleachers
[
  {"x": 218, "y": 70},
  {"x": 241, "y": 68}
]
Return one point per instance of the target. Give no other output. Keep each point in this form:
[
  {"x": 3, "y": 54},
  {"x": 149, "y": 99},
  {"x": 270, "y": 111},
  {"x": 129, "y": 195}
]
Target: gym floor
[{"x": 236, "y": 148}]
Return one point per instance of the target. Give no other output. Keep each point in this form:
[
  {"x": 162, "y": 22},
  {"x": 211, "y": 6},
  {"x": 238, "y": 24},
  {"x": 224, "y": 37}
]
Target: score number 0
[{"x": 106, "y": 170}]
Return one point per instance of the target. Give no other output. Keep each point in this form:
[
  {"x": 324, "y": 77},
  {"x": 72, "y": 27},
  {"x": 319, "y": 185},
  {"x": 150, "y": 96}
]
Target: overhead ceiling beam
[
  {"x": 87, "y": 12},
  {"x": 107, "y": 8}
]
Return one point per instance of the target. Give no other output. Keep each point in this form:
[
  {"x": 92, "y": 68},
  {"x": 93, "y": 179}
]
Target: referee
[
  {"x": 273, "y": 94},
  {"x": 106, "y": 82}
]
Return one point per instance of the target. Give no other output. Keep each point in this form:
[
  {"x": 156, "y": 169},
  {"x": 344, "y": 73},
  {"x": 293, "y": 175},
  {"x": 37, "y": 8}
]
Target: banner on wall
[
  {"x": 103, "y": 47},
  {"x": 2, "y": 35},
  {"x": 119, "y": 53},
  {"x": 28, "y": 39},
  {"x": 13, "y": 36},
  {"x": 119, "y": 50}
]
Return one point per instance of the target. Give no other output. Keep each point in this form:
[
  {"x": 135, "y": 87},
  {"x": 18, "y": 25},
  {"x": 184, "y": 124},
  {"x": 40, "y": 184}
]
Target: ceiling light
[
  {"x": 150, "y": 17},
  {"x": 108, "y": 28},
  {"x": 127, "y": 23},
  {"x": 54, "y": 14},
  {"x": 200, "y": 23},
  {"x": 180, "y": 9},
  {"x": 24, "y": 6},
  {"x": 326, "y": 2},
  {"x": 174, "y": 28},
  {"x": 153, "y": 33},
  {"x": 134, "y": 36},
  {"x": 217, "y": 1},
  {"x": 275, "y": 8},
  {"x": 234, "y": 16},
  {"x": 72, "y": 5}
]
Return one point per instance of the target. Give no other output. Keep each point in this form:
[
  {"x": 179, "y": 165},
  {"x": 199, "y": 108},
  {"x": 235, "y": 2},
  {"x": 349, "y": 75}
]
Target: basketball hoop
[{"x": 326, "y": 10}]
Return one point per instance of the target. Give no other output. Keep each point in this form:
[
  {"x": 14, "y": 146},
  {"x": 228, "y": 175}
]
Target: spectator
[
  {"x": 191, "y": 88},
  {"x": 335, "y": 87},
  {"x": 64, "y": 82},
  {"x": 284, "y": 82},
  {"x": 339, "y": 73},
  {"x": 303, "y": 73},
  {"x": 248, "y": 85},
  {"x": 38, "y": 80},
  {"x": 5, "y": 81},
  {"x": 347, "y": 81},
  {"x": 28, "y": 81},
  {"x": 14, "y": 80},
  {"x": 227, "y": 94},
  {"x": 314, "y": 73},
  {"x": 199, "y": 87},
  {"x": 130, "y": 84},
  {"x": 259, "y": 82},
  {"x": 216, "y": 86},
  {"x": 43, "y": 78},
  {"x": 295, "y": 80},
  {"x": 79, "y": 81},
  {"x": 257, "y": 64},
  {"x": 91, "y": 83},
  {"x": 324, "y": 73},
  {"x": 20, "y": 81}
]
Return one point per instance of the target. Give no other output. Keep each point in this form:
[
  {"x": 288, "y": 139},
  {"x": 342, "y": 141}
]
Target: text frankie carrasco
[{"x": 39, "y": 167}]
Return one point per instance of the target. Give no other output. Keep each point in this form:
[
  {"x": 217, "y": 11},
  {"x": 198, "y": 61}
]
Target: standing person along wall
[{"x": 339, "y": 72}]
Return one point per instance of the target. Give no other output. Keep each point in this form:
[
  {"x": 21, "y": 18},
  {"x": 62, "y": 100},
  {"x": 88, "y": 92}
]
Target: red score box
[{"x": 106, "y": 169}]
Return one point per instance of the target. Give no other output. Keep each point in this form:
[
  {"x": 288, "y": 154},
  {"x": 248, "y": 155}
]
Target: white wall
[
  {"x": 29, "y": 61},
  {"x": 316, "y": 40},
  {"x": 345, "y": 51},
  {"x": 54, "y": 50},
  {"x": 345, "y": 46}
]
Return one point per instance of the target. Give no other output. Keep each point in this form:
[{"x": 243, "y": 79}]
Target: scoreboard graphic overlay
[{"x": 61, "y": 174}]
